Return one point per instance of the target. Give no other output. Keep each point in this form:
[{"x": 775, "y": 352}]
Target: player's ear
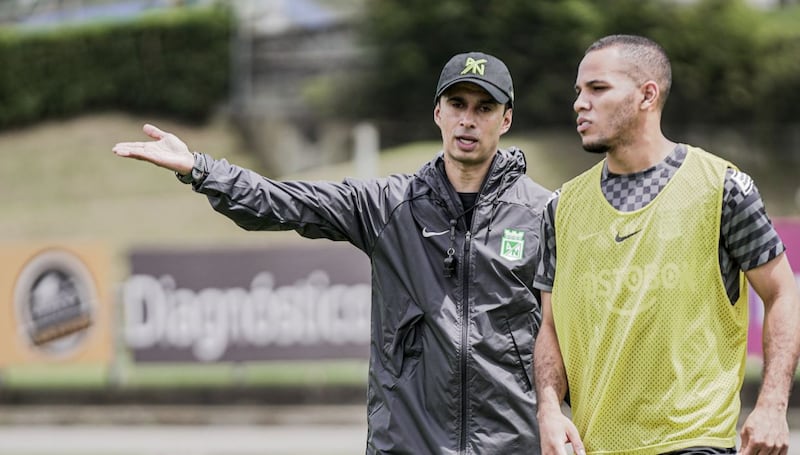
[
  {"x": 437, "y": 111},
  {"x": 508, "y": 115},
  {"x": 650, "y": 95}
]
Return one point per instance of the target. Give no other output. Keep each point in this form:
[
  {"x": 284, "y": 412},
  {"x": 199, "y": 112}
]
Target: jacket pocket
[
  {"x": 521, "y": 330},
  {"x": 401, "y": 332}
]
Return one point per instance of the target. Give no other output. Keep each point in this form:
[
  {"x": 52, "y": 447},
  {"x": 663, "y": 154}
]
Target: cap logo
[{"x": 474, "y": 66}]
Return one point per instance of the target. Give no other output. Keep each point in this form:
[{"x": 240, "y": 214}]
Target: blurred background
[{"x": 135, "y": 320}]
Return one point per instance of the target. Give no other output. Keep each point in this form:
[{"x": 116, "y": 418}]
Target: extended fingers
[{"x": 129, "y": 149}]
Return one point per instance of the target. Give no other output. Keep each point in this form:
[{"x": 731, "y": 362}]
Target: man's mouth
[
  {"x": 583, "y": 124},
  {"x": 467, "y": 141}
]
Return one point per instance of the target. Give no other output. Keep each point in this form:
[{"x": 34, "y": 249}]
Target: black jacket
[{"x": 451, "y": 350}]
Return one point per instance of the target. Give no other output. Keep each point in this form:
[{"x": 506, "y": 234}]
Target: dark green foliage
[
  {"x": 539, "y": 41},
  {"x": 731, "y": 64},
  {"x": 175, "y": 63},
  {"x": 715, "y": 52},
  {"x": 777, "y": 82}
]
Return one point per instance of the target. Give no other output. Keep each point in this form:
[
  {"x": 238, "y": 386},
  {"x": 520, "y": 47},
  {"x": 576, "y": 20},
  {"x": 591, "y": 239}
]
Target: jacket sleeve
[{"x": 353, "y": 210}]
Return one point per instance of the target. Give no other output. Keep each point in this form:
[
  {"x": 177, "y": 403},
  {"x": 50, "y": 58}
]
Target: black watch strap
[
  {"x": 198, "y": 172},
  {"x": 184, "y": 178}
]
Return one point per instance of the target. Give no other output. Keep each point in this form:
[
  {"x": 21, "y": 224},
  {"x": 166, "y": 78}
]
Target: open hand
[{"x": 166, "y": 151}]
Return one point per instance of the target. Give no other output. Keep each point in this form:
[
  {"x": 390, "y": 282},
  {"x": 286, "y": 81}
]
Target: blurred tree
[
  {"x": 542, "y": 43},
  {"x": 411, "y": 39},
  {"x": 776, "y": 101},
  {"x": 777, "y": 82},
  {"x": 715, "y": 62},
  {"x": 728, "y": 57}
]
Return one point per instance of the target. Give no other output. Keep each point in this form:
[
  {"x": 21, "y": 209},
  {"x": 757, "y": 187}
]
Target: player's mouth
[
  {"x": 466, "y": 142},
  {"x": 583, "y": 124}
]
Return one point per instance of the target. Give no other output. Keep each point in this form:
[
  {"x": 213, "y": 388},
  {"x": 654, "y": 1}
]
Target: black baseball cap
[{"x": 484, "y": 70}]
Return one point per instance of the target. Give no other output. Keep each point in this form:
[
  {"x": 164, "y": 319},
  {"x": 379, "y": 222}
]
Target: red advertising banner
[{"x": 789, "y": 230}]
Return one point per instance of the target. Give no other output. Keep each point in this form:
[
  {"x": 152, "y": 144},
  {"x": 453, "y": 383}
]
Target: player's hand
[
  {"x": 555, "y": 431},
  {"x": 166, "y": 151},
  {"x": 765, "y": 431}
]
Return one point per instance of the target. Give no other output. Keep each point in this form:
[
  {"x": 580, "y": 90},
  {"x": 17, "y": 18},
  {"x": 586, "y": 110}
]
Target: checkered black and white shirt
[{"x": 747, "y": 238}]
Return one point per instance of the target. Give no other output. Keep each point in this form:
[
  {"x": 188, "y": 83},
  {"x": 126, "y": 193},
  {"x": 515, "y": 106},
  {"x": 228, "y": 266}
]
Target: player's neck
[
  {"x": 637, "y": 157},
  {"x": 466, "y": 178}
]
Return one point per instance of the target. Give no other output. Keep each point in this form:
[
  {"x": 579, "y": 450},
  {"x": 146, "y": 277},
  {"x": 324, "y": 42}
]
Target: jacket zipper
[
  {"x": 464, "y": 340},
  {"x": 465, "y": 311}
]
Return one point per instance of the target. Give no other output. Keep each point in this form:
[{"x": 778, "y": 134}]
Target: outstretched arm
[
  {"x": 166, "y": 151},
  {"x": 551, "y": 386},
  {"x": 353, "y": 210},
  {"x": 766, "y": 429}
]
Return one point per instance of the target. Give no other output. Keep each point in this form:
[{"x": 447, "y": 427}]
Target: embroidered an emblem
[{"x": 512, "y": 245}]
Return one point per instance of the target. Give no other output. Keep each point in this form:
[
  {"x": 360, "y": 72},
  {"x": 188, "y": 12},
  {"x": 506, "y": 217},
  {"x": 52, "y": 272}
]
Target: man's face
[
  {"x": 607, "y": 102},
  {"x": 471, "y": 122}
]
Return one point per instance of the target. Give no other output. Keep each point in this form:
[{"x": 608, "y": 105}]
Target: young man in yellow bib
[{"x": 645, "y": 309}]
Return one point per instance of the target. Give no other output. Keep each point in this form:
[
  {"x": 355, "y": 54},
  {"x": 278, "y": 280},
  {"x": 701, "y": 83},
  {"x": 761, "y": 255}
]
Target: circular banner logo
[{"x": 54, "y": 298}]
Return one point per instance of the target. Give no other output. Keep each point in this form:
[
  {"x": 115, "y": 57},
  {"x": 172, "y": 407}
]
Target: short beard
[{"x": 597, "y": 147}]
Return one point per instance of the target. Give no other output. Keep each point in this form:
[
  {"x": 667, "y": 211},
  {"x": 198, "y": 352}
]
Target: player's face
[
  {"x": 606, "y": 102},
  {"x": 471, "y": 122}
]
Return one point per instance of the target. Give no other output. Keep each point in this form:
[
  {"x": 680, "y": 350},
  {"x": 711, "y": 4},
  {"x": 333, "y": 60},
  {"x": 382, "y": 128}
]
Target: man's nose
[
  {"x": 581, "y": 103},
  {"x": 468, "y": 118}
]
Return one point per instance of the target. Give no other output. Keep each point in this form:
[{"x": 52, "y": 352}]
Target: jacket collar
[{"x": 507, "y": 165}]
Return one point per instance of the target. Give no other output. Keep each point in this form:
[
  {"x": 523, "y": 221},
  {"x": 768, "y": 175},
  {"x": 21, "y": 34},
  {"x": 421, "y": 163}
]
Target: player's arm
[
  {"x": 166, "y": 150},
  {"x": 551, "y": 387},
  {"x": 549, "y": 374},
  {"x": 349, "y": 211},
  {"x": 752, "y": 242},
  {"x": 766, "y": 429}
]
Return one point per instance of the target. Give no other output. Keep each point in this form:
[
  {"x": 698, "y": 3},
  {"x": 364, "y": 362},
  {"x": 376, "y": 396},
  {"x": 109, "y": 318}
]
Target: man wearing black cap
[{"x": 453, "y": 252}]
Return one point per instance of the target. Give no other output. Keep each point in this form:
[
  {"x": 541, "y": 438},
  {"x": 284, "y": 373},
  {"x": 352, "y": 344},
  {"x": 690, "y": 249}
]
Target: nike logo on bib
[
  {"x": 620, "y": 238},
  {"x": 426, "y": 233}
]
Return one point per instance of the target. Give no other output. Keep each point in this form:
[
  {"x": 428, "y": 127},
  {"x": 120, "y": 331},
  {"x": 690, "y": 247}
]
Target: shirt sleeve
[
  {"x": 352, "y": 210},
  {"x": 546, "y": 266},
  {"x": 747, "y": 232}
]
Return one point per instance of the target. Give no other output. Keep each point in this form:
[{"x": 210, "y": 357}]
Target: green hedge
[{"x": 175, "y": 63}]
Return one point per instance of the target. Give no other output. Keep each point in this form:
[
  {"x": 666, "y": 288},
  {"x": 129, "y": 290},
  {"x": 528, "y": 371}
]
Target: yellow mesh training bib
[{"x": 654, "y": 351}]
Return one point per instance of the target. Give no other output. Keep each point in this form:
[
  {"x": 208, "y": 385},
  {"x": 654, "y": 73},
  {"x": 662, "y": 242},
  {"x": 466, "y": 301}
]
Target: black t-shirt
[{"x": 468, "y": 202}]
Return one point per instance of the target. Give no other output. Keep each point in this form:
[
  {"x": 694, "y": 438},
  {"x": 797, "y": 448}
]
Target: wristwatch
[{"x": 197, "y": 174}]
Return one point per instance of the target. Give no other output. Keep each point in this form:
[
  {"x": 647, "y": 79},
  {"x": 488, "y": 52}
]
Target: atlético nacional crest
[{"x": 512, "y": 245}]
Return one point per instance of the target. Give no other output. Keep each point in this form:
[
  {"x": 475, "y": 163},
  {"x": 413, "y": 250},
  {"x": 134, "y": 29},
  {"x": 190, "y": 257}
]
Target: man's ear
[
  {"x": 507, "y": 117},
  {"x": 650, "y": 95},
  {"x": 437, "y": 112}
]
